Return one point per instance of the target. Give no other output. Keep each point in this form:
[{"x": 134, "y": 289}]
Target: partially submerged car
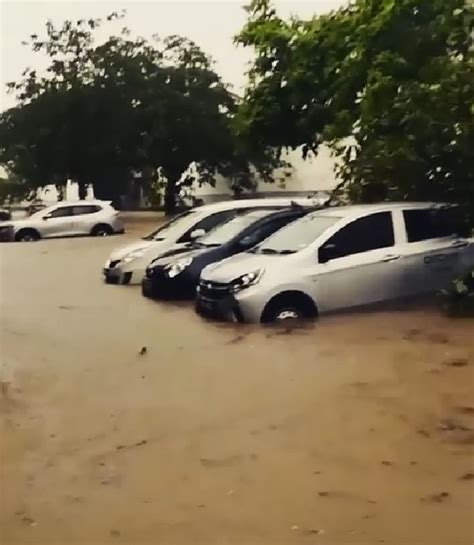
[
  {"x": 177, "y": 274},
  {"x": 127, "y": 264},
  {"x": 339, "y": 258},
  {"x": 96, "y": 218}
]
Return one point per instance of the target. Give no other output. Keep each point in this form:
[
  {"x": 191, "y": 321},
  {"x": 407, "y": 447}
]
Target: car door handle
[
  {"x": 391, "y": 257},
  {"x": 460, "y": 244}
]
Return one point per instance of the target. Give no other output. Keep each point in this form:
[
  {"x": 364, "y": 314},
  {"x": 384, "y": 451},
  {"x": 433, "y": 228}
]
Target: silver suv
[
  {"x": 339, "y": 258},
  {"x": 96, "y": 218}
]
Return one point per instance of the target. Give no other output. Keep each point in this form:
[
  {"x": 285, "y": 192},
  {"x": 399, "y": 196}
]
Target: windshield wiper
[{"x": 268, "y": 251}]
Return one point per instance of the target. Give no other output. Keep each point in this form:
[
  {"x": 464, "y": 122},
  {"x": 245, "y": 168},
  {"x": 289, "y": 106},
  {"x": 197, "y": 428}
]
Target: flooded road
[{"x": 357, "y": 431}]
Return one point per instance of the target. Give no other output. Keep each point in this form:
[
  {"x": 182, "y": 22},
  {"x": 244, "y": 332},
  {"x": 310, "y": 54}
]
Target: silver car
[
  {"x": 127, "y": 264},
  {"x": 96, "y": 218},
  {"x": 339, "y": 258}
]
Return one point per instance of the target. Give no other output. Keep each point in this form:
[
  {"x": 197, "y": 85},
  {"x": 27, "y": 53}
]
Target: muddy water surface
[{"x": 359, "y": 430}]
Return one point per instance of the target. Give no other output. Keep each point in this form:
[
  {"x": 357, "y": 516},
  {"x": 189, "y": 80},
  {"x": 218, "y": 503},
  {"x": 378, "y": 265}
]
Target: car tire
[
  {"x": 102, "y": 230},
  {"x": 291, "y": 306},
  {"x": 27, "y": 235}
]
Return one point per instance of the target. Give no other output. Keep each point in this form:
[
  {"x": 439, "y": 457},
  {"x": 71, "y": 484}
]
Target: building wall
[{"x": 307, "y": 176}]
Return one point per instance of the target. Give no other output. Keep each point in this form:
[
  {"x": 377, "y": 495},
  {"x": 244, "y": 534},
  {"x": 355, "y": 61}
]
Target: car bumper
[
  {"x": 226, "y": 309},
  {"x": 244, "y": 306},
  {"x": 114, "y": 274},
  {"x": 160, "y": 286}
]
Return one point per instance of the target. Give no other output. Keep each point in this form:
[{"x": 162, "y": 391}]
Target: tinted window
[
  {"x": 209, "y": 223},
  {"x": 428, "y": 223},
  {"x": 89, "y": 209},
  {"x": 364, "y": 234},
  {"x": 60, "y": 212}
]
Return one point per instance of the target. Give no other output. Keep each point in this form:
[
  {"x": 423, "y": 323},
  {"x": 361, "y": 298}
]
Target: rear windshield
[
  {"x": 297, "y": 235},
  {"x": 162, "y": 232}
]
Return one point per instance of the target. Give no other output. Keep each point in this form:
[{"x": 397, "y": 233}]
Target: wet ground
[{"x": 357, "y": 431}]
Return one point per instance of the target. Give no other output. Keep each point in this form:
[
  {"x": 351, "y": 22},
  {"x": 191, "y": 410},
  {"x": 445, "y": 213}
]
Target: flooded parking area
[{"x": 129, "y": 421}]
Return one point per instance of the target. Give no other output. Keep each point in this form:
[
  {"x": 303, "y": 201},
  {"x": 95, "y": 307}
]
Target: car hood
[
  {"x": 137, "y": 245},
  {"x": 176, "y": 255},
  {"x": 231, "y": 268}
]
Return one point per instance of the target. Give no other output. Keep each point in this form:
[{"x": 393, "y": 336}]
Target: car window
[
  {"x": 297, "y": 235},
  {"x": 426, "y": 224},
  {"x": 61, "y": 212},
  {"x": 364, "y": 234},
  {"x": 164, "y": 230},
  {"x": 85, "y": 209},
  {"x": 264, "y": 231},
  {"x": 208, "y": 223}
]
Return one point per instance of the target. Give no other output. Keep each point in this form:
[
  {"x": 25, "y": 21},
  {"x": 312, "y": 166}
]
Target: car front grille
[{"x": 213, "y": 290}]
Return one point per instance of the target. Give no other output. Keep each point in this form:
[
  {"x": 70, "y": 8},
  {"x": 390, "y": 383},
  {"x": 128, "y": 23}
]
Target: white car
[
  {"x": 127, "y": 264},
  {"x": 339, "y": 258},
  {"x": 96, "y": 218}
]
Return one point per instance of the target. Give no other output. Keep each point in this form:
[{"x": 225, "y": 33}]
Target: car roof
[
  {"x": 78, "y": 203},
  {"x": 261, "y": 202},
  {"x": 358, "y": 209},
  {"x": 260, "y": 213}
]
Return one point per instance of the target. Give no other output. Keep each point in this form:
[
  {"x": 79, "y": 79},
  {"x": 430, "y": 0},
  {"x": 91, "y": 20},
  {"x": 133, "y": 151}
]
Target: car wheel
[
  {"x": 102, "y": 230},
  {"x": 289, "y": 306},
  {"x": 27, "y": 235}
]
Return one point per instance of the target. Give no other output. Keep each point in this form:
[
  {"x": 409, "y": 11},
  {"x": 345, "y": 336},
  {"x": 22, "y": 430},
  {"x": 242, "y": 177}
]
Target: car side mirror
[
  {"x": 327, "y": 253},
  {"x": 197, "y": 233},
  {"x": 46, "y": 218}
]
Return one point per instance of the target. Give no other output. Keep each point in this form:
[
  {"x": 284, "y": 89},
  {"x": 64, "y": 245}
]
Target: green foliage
[
  {"x": 389, "y": 85},
  {"x": 459, "y": 300},
  {"x": 127, "y": 105}
]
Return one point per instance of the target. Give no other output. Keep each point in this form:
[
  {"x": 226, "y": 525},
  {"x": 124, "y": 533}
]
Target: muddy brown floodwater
[{"x": 357, "y": 431}]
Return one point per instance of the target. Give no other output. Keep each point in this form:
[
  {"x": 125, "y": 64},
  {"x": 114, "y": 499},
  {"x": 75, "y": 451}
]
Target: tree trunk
[
  {"x": 82, "y": 190},
  {"x": 170, "y": 196}
]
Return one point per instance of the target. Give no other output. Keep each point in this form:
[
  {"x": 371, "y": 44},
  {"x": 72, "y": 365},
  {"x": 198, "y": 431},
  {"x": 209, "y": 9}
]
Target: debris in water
[
  {"x": 467, "y": 477},
  {"x": 386, "y": 463},
  {"x": 460, "y": 362},
  {"x": 143, "y": 350},
  {"x": 436, "y": 498}
]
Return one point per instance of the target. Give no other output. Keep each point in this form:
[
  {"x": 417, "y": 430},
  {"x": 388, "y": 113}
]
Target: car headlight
[
  {"x": 246, "y": 280},
  {"x": 133, "y": 255},
  {"x": 178, "y": 267}
]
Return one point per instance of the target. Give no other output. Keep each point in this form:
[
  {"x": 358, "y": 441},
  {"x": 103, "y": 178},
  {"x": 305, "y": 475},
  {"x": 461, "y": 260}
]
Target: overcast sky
[{"x": 211, "y": 24}]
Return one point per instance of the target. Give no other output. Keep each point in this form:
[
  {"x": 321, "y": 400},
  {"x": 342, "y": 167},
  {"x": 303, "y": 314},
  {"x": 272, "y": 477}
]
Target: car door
[
  {"x": 362, "y": 265},
  {"x": 433, "y": 249},
  {"x": 84, "y": 218},
  {"x": 57, "y": 222}
]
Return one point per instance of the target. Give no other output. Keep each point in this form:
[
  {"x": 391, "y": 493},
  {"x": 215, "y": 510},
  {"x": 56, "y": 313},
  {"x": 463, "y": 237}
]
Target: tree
[
  {"x": 104, "y": 111},
  {"x": 389, "y": 85}
]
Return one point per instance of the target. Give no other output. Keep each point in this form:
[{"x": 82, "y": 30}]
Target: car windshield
[
  {"x": 163, "y": 232},
  {"x": 227, "y": 231},
  {"x": 297, "y": 235}
]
